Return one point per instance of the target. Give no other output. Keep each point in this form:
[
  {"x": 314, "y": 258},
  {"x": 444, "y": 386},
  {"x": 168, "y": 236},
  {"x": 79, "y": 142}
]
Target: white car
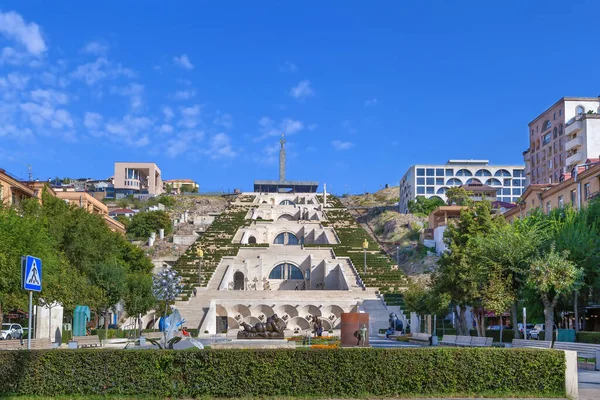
[{"x": 11, "y": 331}]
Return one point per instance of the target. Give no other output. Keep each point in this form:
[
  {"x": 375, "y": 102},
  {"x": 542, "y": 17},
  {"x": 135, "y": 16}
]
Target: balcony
[
  {"x": 574, "y": 126},
  {"x": 574, "y": 159},
  {"x": 574, "y": 143}
]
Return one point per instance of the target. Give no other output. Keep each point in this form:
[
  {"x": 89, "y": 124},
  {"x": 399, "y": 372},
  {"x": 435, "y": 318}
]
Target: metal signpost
[
  {"x": 524, "y": 323},
  {"x": 31, "y": 277}
]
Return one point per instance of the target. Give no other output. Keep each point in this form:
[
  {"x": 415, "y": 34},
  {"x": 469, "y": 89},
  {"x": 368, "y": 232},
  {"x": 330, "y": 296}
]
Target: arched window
[
  {"x": 555, "y": 133},
  {"x": 454, "y": 182},
  {"x": 547, "y": 125},
  {"x": 579, "y": 110},
  {"x": 286, "y": 217},
  {"x": 560, "y": 130},
  {"x": 286, "y": 238},
  {"x": 464, "y": 172},
  {"x": 442, "y": 190},
  {"x": 483, "y": 172},
  {"x": 251, "y": 240},
  {"x": 286, "y": 271},
  {"x": 473, "y": 180},
  {"x": 502, "y": 172},
  {"x": 493, "y": 182},
  {"x": 286, "y": 203}
]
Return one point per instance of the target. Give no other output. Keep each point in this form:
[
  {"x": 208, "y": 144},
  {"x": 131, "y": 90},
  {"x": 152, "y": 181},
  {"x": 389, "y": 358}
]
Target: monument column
[{"x": 282, "y": 159}]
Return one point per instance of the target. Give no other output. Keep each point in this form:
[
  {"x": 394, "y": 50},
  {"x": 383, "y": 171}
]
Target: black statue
[{"x": 262, "y": 330}]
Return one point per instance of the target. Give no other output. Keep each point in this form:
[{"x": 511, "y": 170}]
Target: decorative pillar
[
  {"x": 324, "y": 195},
  {"x": 282, "y": 159}
]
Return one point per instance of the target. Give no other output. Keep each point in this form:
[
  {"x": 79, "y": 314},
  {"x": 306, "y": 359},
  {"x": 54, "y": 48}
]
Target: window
[
  {"x": 286, "y": 203},
  {"x": 554, "y": 117},
  {"x": 439, "y": 172},
  {"x": 555, "y": 133},
  {"x": 507, "y": 182},
  {"x": 506, "y": 192},
  {"x": 586, "y": 191},
  {"x": 429, "y": 172},
  {"x": 430, "y": 181},
  {"x": 286, "y": 238},
  {"x": 420, "y": 190},
  {"x": 518, "y": 172},
  {"x": 439, "y": 181},
  {"x": 277, "y": 272},
  {"x": 547, "y": 125},
  {"x": 483, "y": 172},
  {"x": 449, "y": 171},
  {"x": 473, "y": 180},
  {"x": 286, "y": 271},
  {"x": 420, "y": 171},
  {"x": 548, "y": 207},
  {"x": 464, "y": 172},
  {"x": 499, "y": 192},
  {"x": 493, "y": 182},
  {"x": 420, "y": 181},
  {"x": 430, "y": 190},
  {"x": 573, "y": 197},
  {"x": 442, "y": 190},
  {"x": 547, "y": 138},
  {"x": 560, "y": 112},
  {"x": 516, "y": 191},
  {"x": 454, "y": 182},
  {"x": 503, "y": 172},
  {"x": 561, "y": 202},
  {"x": 579, "y": 110}
]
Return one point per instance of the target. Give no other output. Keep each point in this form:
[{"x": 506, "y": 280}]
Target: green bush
[
  {"x": 588, "y": 337},
  {"x": 242, "y": 373}
]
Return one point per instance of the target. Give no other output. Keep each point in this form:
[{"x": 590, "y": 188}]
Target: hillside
[{"x": 397, "y": 233}]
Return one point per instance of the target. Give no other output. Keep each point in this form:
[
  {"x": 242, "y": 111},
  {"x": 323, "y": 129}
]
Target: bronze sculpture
[{"x": 262, "y": 330}]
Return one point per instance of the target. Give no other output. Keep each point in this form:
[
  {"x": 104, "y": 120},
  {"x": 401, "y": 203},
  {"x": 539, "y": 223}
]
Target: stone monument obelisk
[{"x": 282, "y": 159}]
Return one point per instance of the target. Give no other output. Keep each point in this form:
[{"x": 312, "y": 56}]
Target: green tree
[
  {"x": 138, "y": 298},
  {"x": 422, "y": 205},
  {"x": 110, "y": 278},
  {"x": 188, "y": 188},
  {"x": 458, "y": 196},
  {"x": 552, "y": 275},
  {"x": 144, "y": 223}
]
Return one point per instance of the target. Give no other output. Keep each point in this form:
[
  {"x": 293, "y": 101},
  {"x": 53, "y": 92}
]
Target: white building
[{"x": 429, "y": 180}]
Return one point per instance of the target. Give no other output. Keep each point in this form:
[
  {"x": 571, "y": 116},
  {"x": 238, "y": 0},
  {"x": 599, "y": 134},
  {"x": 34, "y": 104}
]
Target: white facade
[
  {"x": 430, "y": 180},
  {"x": 583, "y": 139}
]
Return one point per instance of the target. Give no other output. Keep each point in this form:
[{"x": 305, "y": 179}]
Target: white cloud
[
  {"x": 224, "y": 120},
  {"x": 183, "y": 142},
  {"x": 220, "y": 147},
  {"x": 371, "y": 102},
  {"x": 93, "y": 72},
  {"x": 166, "y": 128},
  {"x": 288, "y": 66},
  {"x": 95, "y": 48},
  {"x": 92, "y": 120},
  {"x": 184, "y": 94},
  {"x": 50, "y": 79},
  {"x": 268, "y": 128},
  {"x": 14, "y": 81},
  {"x": 190, "y": 117},
  {"x": 130, "y": 130},
  {"x": 51, "y": 96},
  {"x": 339, "y": 145},
  {"x": 13, "y": 26},
  {"x": 302, "y": 89},
  {"x": 44, "y": 115},
  {"x": 183, "y": 61},
  {"x": 134, "y": 91},
  {"x": 168, "y": 112}
]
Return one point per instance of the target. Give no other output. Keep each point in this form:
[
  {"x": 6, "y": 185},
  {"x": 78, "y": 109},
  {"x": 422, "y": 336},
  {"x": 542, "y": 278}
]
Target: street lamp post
[{"x": 365, "y": 247}]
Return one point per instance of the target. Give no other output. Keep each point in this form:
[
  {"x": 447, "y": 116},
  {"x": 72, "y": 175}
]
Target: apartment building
[
  {"x": 177, "y": 184},
  {"x": 563, "y": 136},
  {"x": 576, "y": 189},
  {"x": 431, "y": 180},
  {"x": 12, "y": 190},
  {"x": 137, "y": 179}
]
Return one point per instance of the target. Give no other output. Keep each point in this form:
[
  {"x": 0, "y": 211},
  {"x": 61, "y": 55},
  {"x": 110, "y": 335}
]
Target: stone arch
[
  {"x": 238, "y": 280},
  {"x": 251, "y": 240},
  {"x": 286, "y": 217},
  {"x": 251, "y": 320},
  {"x": 333, "y": 310},
  {"x": 241, "y": 310},
  {"x": 286, "y": 202},
  {"x": 298, "y": 323},
  {"x": 287, "y": 309},
  {"x": 286, "y": 238},
  {"x": 310, "y": 310},
  {"x": 286, "y": 271},
  {"x": 325, "y": 323},
  {"x": 232, "y": 323},
  {"x": 262, "y": 309},
  {"x": 221, "y": 311}
]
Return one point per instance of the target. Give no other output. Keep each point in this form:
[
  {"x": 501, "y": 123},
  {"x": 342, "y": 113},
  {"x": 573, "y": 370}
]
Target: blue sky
[{"x": 363, "y": 89}]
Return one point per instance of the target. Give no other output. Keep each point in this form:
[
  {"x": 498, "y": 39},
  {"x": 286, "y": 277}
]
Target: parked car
[
  {"x": 535, "y": 332},
  {"x": 493, "y": 328},
  {"x": 11, "y": 331},
  {"x": 529, "y": 328}
]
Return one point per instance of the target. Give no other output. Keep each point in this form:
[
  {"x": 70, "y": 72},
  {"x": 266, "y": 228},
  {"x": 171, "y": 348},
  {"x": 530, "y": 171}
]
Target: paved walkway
[{"x": 589, "y": 385}]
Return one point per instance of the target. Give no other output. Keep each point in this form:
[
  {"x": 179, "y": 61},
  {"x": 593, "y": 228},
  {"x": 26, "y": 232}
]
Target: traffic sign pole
[{"x": 30, "y": 320}]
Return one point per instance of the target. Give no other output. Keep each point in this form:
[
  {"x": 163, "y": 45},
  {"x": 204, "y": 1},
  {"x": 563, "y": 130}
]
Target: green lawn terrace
[
  {"x": 215, "y": 243},
  {"x": 381, "y": 271}
]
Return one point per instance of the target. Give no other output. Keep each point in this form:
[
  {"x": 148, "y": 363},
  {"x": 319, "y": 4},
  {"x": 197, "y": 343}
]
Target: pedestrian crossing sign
[{"x": 32, "y": 274}]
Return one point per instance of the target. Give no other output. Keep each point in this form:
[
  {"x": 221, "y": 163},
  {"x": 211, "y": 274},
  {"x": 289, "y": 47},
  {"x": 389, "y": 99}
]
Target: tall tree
[
  {"x": 458, "y": 196},
  {"x": 422, "y": 205},
  {"x": 110, "y": 278},
  {"x": 552, "y": 275},
  {"x": 138, "y": 297}
]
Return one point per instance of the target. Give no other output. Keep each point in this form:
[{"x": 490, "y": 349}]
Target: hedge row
[
  {"x": 239, "y": 373},
  {"x": 588, "y": 337}
]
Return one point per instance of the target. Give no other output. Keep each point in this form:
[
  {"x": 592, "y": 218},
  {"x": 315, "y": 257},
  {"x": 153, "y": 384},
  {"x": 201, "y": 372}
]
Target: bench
[
  {"x": 531, "y": 344},
  {"x": 463, "y": 341},
  {"x": 448, "y": 340},
  {"x": 87, "y": 341},
  {"x": 36, "y": 344},
  {"x": 420, "y": 338},
  {"x": 477, "y": 341},
  {"x": 584, "y": 350}
]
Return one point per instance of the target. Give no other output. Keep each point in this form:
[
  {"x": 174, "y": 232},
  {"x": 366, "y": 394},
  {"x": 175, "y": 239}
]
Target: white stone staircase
[{"x": 350, "y": 273}]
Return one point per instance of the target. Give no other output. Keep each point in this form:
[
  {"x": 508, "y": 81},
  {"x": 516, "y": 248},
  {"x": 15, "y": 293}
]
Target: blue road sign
[{"x": 32, "y": 274}]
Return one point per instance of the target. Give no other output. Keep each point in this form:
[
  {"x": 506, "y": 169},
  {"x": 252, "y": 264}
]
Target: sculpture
[{"x": 262, "y": 330}]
